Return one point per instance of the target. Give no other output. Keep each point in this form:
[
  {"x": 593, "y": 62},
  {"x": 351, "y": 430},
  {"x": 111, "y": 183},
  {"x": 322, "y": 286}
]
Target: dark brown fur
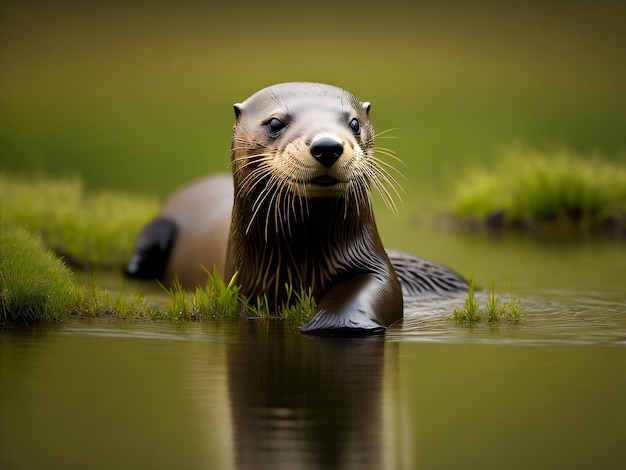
[{"x": 326, "y": 242}]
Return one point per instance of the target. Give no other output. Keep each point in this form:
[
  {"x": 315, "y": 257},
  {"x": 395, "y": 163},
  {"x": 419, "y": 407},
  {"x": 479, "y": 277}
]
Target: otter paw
[{"x": 351, "y": 323}]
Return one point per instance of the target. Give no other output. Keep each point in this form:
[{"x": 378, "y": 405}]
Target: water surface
[{"x": 545, "y": 393}]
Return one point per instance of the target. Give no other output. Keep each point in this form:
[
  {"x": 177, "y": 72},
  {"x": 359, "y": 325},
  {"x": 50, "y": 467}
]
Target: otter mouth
[{"x": 325, "y": 181}]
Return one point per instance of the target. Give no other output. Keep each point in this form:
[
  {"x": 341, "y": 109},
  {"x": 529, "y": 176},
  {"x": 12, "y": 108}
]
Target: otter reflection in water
[{"x": 310, "y": 402}]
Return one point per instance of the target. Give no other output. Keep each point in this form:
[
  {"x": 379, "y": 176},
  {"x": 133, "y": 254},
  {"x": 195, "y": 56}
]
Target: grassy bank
[
  {"x": 45, "y": 220},
  {"x": 36, "y": 286},
  {"x": 90, "y": 229},
  {"x": 561, "y": 190}
]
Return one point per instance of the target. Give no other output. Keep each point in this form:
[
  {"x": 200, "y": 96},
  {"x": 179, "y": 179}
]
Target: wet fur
[{"x": 288, "y": 228}]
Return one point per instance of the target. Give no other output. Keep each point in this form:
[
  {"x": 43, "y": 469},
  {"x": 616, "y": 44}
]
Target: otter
[{"x": 298, "y": 211}]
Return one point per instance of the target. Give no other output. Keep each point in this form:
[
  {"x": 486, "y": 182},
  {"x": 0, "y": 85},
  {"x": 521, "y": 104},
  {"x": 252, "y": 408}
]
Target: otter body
[{"x": 302, "y": 159}]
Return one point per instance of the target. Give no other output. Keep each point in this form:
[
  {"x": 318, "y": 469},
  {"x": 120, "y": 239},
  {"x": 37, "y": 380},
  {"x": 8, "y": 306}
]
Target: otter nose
[{"x": 326, "y": 150}]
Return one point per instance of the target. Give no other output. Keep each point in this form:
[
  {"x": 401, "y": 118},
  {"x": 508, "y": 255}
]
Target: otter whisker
[
  {"x": 304, "y": 174},
  {"x": 381, "y": 133},
  {"x": 389, "y": 153},
  {"x": 252, "y": 143},
  {"x": 281, "y": 219},
  {"x": 245, "y": 148},
  {"x": 363, "y": 189},
  {"x": 281, "y": 209},
  {"x": 271, "y": 189},
  {"x": 290, "y": 205},
  {"x": 281, "y": 200},
  {"x": 261, "y": 167},
  {"x": 304, "y": 207},
  {"x": 301, "y": 174},
  {"x": 261, "y": 163},
  {"x": 378, "y": 147},
  {"x": 380, "y": 174},
  {"x": 253, "y": 179},
  {"x": 361, "y": 196},
  {"x": 255, "y": 171},
  {"x": 357, "y": 196},
  {"x": 382, "y": 163},
  {"x": 378, "y": 177},
  {"x": 379, "y": 166},
  {"x": 264, "y": 192},
  {"x": 346, "y": 201},
  {"x": 275, "y": 194},
  {"x": 388, "y": 178},
  {"x": 290, "y": 211},
  {"x": 361, "y": 184},
  {"x": 260, "y": 200},
  {"x": 236, "y": 164}
]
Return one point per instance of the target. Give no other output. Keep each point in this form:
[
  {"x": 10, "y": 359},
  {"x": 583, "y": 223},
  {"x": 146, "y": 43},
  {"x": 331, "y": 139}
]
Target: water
[{"x": 545, "y": 393}]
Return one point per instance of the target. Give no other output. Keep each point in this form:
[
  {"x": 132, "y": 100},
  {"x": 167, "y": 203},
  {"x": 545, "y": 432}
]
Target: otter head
[{"x": 305, "y": 140}]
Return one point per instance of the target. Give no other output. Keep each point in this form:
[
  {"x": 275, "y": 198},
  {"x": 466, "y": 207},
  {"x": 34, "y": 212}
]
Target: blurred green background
[{"x": 138, "y": 95}]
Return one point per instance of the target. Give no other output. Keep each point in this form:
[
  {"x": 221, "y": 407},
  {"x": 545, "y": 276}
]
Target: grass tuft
[
  {"x": 495, "y": 311},
  {"x": 260, "y": 308},
  {"x": 561, "y": 189},
  {"x": 34, "y": 284},
  {"x": 179, "y": 308},
  {"x": 219, "y": 300},
  {"x": 513, "y": 312},
  {"x": 299, "y": 306},
  {"x": 469, "y": 313},
  {"x": 96, "y": 302}
]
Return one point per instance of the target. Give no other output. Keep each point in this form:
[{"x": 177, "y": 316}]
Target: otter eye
[
  {"x": 275, "y": 127},
  {"x": 355, "y": 126}
]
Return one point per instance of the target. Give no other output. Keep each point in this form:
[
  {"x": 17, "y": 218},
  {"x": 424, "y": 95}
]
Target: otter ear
[
  {"x": 237, "y": 107},
  {"x": 366, "y": 106}
]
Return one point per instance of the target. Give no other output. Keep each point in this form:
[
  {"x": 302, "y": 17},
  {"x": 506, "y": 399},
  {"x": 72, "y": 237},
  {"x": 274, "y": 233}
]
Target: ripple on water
[
  {"x": 551, "y": 317},
  {"x": 158, "y": 331}
]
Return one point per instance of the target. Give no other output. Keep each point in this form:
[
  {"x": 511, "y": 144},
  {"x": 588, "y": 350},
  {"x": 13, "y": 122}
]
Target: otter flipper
[
  {"x": 152, "y": 250},
  {"x": 351, "y": 323},
  {"x": 420, "y": 276},
  {"x": 360, "y": 306}
]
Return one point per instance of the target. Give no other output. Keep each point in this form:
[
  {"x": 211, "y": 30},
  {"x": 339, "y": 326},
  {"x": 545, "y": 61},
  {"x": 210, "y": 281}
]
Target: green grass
[
  {"x": 100, "y": 303},
  {"x": 469, "y": 313},
  {"x": 495, "y": 309},
  {"x": 299, "y": 306},
  {"x": 219, "y": 300},
  {"x": 561, "y": 189},
  {"x": 34, "y": 284},
  {"x": 91, "y": 229},
  {"x": 494, "y": 312},
  {"x": 44, "y": 216}
]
